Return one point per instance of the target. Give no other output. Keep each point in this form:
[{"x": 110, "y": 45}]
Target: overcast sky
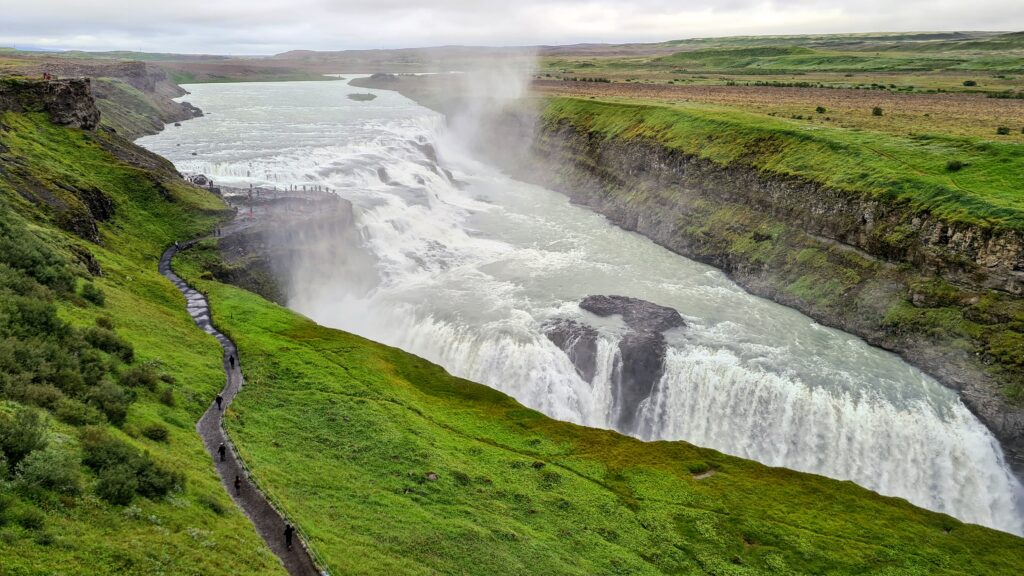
[{"x": 272, "y": 26}]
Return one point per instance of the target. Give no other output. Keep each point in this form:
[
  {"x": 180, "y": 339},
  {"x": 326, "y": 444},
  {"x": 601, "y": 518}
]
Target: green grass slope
[
  {"x": 391, "y": 465},
  {"x": 56, "y": 516},
  {"x": 912, "y": 170}
]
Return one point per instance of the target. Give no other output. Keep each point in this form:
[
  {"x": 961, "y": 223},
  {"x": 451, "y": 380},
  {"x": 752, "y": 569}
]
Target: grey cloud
[{"x": 269, "y": 26}]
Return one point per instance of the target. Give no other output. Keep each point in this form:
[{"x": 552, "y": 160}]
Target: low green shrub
[
  {"x": 117, "y": 484},
  {"x": 22, "y": 434},
  {"x": 122, "y": 468},
  {"x": 698, "y": 467},
  {"x": 109, "y": 342},
  {"x": 156, "y": 432},
  {"x": 30, "y": 518},
  {"x": 6, "y": 502},
  {"x": 1003, "y": 131},
  {"x": 140, "y": 376},
  {"x": 113, "y": 401},
  {"x": 41, "y": 395},
  {"x": 154, "y": 480},
  {"x": 167, "y": 397},
  {"x": 876, "y": 111},
  {"x": 101, "y": 450},
  {"x": 970, "y": 83},
  {"x": 461, "y": 478},
  {"x": 93, "y": 294},
  {"x": 77, "y": 413},
  {"x": 54, "y": 469},
  {"x": 954, "y": 165},
  {"x": 211, "y": 502}
]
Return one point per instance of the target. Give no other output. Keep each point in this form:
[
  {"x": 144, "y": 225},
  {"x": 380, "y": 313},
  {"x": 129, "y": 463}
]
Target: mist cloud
[{"x": 272, "y": 26}]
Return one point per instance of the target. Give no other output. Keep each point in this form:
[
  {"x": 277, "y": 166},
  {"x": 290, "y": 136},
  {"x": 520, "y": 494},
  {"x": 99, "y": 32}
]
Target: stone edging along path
[{"x": 269, "y": 522}]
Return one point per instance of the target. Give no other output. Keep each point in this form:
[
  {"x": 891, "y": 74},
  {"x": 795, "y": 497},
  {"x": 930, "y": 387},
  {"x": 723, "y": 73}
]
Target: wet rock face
[
  {"x": 579, "y": 342},
  {"x": 639, "y": 368},
  {"x": 640, "y": 361},
  {"x": 68, "y": 102}
]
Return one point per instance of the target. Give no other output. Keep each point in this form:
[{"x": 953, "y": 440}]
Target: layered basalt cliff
[
  {"x": 68, "y": 102},
  {"x": 943, "y": 295}
]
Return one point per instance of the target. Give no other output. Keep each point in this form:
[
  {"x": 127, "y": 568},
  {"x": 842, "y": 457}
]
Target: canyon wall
[{"x": 945, "y": 296}]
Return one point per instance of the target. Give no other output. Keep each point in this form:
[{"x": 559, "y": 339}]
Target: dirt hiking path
[{"x": 268, "y": 521}]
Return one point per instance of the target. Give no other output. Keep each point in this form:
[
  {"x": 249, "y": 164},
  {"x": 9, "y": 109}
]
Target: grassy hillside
[
  {"x": 99, "y": 363},
  {"x": 392, "y": 465}
]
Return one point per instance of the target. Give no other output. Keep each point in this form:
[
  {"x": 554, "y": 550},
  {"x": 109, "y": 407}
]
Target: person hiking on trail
[
  {"x": 220, "y": 402},
  {"x": 288, "y": 532},
  {"x": 238, "y": 484},
  {"x": 222, "y": 450},
  {"x": 175, "y": 244},
  {"x": 232, "y": 359}
]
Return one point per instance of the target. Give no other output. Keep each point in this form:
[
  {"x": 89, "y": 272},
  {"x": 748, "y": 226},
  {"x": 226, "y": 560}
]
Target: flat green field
[
  {"x": 910, "y": 61},
  {"x": 913, "y": 170}
]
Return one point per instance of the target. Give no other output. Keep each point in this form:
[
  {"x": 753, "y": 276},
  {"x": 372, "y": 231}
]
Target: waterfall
[{"x": 467, "y": 268}]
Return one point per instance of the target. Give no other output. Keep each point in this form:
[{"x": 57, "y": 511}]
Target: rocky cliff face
[
  {"x": 268, "y": 257},
  {"x": 968, "y": 255},
  {"x": 945, "y": 296},
  {"x": 135, "y": 98},
  {"x": 68, "y": 102}
]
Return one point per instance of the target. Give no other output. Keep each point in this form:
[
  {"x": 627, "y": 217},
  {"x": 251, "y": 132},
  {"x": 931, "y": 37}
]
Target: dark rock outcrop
[
  {"x": 640, "y": 315},
  {"x": 579, "y": 342},
  {"x": 640, "y": 361},
  {"x": 68, "y": 102}
]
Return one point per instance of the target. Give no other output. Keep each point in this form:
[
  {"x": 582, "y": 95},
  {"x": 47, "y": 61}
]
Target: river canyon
[{"x": 509, "y": 284}]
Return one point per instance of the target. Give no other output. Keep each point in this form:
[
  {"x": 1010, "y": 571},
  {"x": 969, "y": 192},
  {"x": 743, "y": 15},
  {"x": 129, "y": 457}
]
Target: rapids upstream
[{"x": 468, "y": 271}]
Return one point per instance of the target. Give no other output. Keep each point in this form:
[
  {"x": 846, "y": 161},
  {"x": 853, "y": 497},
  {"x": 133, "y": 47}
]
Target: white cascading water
[{"x": 467, "y": 273}]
